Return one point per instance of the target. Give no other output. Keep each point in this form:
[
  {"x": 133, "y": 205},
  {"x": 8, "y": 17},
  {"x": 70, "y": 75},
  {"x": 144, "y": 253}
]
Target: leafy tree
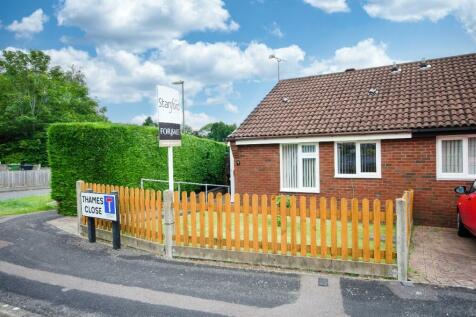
[
  {"x": 217, "y": 131},
  {"x": 148, "y": 122},
  {"x": 32, "y": 95}
]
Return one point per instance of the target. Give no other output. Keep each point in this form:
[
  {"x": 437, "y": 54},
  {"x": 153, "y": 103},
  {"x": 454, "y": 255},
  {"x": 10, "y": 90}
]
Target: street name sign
[
  {"x": 100, "y": 206},
  {"x": 170, "y": 116}
]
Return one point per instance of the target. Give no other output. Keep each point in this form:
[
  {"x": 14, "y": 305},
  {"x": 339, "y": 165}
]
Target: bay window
[
  {"x": 456, "y": 157},
  {"x": 299, "y": 167},
  {"x": 357, "y": 159}
]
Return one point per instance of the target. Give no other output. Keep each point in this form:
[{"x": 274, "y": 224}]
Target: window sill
[
  {"x": 358, "y": 176},
  {"x": 456, "y": 178},
  {"x": 300, "y": 190}
]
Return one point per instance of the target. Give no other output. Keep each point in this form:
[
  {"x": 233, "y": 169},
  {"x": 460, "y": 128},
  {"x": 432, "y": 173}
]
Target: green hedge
[{"x": 123, "y": 154}]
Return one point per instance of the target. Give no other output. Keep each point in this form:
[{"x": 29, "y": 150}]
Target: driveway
[
  {"x": 46, "y": 271},
  {"x": 439, "y": 256}
]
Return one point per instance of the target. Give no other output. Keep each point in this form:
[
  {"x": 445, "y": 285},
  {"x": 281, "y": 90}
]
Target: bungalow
[{"x": 365, "y": 133}]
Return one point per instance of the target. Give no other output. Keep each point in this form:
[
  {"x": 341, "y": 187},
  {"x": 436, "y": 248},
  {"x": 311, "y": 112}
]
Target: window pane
[
  {"x": 368, "y": 158},
  {"x": 346, "y": 158},
  {"x": 308, "y": 148},
  {"x": 452, "y": 156},
  {"x": 290, "y": 165},
  {"x": 472, "y": 155},
  {"x": 309, "y": 172}
]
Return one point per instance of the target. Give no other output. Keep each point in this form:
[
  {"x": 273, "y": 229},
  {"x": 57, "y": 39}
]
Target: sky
[{"x": 221, "y": 49}]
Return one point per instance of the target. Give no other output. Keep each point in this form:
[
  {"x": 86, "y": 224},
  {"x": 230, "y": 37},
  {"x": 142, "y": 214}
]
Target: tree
[
  {"x": 149, "y": 122},
  {"x": 217, "y": 131},
  {"x": 32, "y": 95}
]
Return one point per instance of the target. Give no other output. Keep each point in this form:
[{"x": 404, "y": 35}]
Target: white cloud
[
  {"x": 329, "y": 6},
  {"x": 231, "y": 108},
  {"x": 433, "y": 10},
  {"x": 275, "y": 30},
  {"x": 365, "y": 53},
  {"x": 222, "y": 62},
  {"x": 141, "y": 24},
  {"x": 139, "y": 119},
  {"x": 29, "y": 25},
  {"x": 196, "y": 120}
]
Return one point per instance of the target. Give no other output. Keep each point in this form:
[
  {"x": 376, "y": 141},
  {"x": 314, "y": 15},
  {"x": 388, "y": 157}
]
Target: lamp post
[
  {"x": 278, "y": 60},
  {"x": 181, "y": 82}
]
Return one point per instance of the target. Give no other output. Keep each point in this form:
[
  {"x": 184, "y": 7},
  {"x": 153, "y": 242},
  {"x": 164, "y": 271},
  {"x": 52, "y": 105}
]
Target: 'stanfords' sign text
[{"x": 170, "y": 116}]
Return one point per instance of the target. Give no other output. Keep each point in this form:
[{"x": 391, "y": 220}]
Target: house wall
[{"x": 407, "y": 163}]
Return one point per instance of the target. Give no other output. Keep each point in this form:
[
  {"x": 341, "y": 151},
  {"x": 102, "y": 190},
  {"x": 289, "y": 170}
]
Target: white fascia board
[{"x": 336, "y": 138}]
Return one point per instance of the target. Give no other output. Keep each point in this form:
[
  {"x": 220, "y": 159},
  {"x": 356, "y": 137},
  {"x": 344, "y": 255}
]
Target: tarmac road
[{"x": 47, "y": 272}]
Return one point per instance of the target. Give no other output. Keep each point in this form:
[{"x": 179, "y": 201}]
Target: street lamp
[
  {"x": 180, "y": 82},
  {"x": 279, "y": 60}
]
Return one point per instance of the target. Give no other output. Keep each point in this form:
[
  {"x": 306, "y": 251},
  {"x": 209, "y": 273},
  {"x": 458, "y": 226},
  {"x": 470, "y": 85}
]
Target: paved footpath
[
  {"x": 45, "y": 271},
  {"x": 24, "y": 193}
]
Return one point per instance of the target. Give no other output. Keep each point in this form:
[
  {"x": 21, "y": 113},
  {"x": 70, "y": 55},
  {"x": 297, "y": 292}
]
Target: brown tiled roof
[{"x": 441, "y": 96}]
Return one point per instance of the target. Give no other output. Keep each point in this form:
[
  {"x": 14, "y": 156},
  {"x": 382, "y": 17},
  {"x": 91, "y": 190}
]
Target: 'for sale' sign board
[
  {"x": 170, "y": 116},
  {"x": 100, "y": 206}
]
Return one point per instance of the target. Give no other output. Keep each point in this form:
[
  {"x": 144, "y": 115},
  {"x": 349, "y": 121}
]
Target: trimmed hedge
[{"x": 121, "y": 155}]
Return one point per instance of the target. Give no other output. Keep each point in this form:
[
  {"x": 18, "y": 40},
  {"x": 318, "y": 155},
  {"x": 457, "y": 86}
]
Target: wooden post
[{"x": 402, "y": 246}]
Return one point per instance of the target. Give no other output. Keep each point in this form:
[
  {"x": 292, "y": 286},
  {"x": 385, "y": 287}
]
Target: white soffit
[{"x": 337, "y": 138}]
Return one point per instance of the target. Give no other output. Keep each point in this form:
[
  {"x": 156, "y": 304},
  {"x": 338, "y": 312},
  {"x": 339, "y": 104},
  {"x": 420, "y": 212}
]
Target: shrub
[{"x": 121, "y": 155}]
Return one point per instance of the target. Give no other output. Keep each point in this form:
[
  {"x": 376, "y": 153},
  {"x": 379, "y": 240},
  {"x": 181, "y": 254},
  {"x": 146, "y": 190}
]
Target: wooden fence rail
[{"x": 346, "y": 229}]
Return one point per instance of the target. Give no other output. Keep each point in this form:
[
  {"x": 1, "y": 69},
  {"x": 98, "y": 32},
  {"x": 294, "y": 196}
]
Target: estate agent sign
[{"x": 170, "y": 116}]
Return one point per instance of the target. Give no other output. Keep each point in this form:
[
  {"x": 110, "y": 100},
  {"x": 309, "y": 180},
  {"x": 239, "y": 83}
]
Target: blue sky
[{"x": 221, "y": 48}]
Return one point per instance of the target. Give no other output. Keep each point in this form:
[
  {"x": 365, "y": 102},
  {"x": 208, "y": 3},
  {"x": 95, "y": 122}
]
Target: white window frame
[
  {"x": 358, "y": 173},
  {"x": 439, "y": 159},
  {"x": 301, "y": 156}
]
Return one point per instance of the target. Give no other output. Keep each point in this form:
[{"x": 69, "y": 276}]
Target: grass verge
[{"x": 25, "y": 205}]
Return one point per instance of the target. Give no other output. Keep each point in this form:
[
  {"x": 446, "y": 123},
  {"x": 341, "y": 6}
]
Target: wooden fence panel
[
  {"x": 228, "y": 221},
  {"x": 376, "y": 222},
  {"x": 185, "y": 219},
  {"x": 284, "y": 234},
  {"x": 211, "y": 215},
  {"x": 177, "y": 217},
  {"x": 237, "y": 225},
  {"x": 254, "y": 207},
  {"x": 323, "y": 225},
  {"x": 303, "y": 225},
  {"x": 193, "y": 217},
  {"x": 365, "y": 225},
  {"x": 201, "y": 199},
  {"x": 219, "y": 208},
  {"x": 313, "y": 215},
  {"x": 293, "y": 225},
  {"x": 343, "y": 237},
  {"x": 246, "y": 222},
  {"x": 355, "y": 229},
  {"x": 264, "y": 222},
  {"x": 274, "y": 225},
  {"x": 389, "y": 231},
  {"x": 333, "y": 227},
  {"x": 288, "y": 227}
]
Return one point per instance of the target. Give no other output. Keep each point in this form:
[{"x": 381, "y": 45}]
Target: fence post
[
  {"x": 402, "y": 246},
  {"x": 78, "y": 204},
  {"x": 169, "y": 222}
]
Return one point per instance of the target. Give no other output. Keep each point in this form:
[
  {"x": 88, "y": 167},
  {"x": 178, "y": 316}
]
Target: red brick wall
[{"x": 406, "y": 164}]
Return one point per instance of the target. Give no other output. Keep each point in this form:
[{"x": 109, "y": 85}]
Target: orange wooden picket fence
[{"x": 346, "y": 229}]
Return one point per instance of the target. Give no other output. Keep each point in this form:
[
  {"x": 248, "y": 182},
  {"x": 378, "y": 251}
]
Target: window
[
  {"x": 456, "y": 157},
  {"x": 299, "y": 167},
  {"x": 357, "y": 159}
]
